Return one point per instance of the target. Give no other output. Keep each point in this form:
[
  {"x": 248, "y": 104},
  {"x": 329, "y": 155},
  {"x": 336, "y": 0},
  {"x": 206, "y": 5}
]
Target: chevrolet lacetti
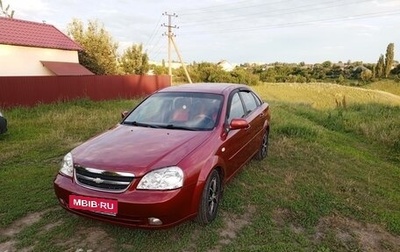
[{"x": 169, "y": 158}]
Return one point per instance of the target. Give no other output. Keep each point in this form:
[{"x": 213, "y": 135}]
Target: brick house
[{"x": 37, "y": 49}]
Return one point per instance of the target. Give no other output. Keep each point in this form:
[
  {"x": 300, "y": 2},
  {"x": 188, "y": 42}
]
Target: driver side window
[{"x": 236, "y": 109}]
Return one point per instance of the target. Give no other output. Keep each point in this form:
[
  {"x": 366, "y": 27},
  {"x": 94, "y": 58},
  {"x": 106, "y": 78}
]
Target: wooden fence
[{"x": 31, "y": 90}]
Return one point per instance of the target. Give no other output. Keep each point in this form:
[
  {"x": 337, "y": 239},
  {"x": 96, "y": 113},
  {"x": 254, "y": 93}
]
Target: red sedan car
[{"x": 169, "y": 158}]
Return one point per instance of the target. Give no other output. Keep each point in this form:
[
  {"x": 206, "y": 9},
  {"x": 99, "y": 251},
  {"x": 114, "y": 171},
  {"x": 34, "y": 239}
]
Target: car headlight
[
  {"x": 67, "y": 166},
  {"x": 162, "y": 179}
]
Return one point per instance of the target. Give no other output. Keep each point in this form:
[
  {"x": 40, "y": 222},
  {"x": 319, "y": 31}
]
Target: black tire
[
  {"x": 210, "y": 198},
  {"x": 263, "y": 151}
]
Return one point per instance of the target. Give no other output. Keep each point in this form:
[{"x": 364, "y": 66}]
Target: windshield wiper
[
  {"x": 172, "y": 126},
  {"x": 140, "y": 124}
]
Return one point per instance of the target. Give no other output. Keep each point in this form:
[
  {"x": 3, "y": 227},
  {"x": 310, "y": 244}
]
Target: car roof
[{"x": 216, "y": 88}]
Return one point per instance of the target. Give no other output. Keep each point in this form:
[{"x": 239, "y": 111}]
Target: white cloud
[{"x": 26, "y": 9}]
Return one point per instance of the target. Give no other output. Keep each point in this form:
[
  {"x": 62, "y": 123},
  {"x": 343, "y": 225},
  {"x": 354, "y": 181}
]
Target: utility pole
[
  {"x": 180, "y": 58},
  {"x": 170, "y": 36}
]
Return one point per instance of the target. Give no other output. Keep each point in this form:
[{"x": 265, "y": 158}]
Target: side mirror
[
  {"x": 124, "y": 114},
  {"x": 238, "y": 123}
]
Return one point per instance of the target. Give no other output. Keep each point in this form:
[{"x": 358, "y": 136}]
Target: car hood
[{"x": 137, "y": 149}]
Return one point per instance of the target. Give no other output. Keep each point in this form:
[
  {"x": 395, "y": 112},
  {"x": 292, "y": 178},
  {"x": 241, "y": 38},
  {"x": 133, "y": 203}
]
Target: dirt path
[{"x": 348, "y": 234}]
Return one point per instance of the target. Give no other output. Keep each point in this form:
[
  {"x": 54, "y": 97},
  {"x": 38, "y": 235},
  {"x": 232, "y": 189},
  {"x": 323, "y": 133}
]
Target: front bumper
[{"x": 135, "y": 207}]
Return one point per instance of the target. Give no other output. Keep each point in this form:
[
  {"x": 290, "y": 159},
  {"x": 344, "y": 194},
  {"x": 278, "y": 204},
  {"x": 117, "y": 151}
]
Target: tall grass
[
  {"x": 389, "y": 86},
  {"x": 323, "y": 95}
]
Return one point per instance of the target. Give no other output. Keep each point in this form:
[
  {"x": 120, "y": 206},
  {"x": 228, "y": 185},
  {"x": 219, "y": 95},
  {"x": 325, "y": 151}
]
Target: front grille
[{"x": 103, "y": 180}]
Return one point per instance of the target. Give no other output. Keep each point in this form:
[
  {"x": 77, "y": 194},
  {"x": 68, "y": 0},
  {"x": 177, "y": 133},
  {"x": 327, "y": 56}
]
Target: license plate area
[{"x": 97, "y": 205}]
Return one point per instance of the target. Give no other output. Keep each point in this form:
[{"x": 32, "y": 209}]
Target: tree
[
  {"x": 366, "y": 75},
  {"x": 319, "y": 71},
  {"x": 389, "y": 59},
  {"x": 5, "y": 11},
  {"x": 396, "y": 70},
  {"x": 241, "y": 75},
  {"x": 205, "y": 72},
  {"x": 341, "y": 80},
  {"x": 334, "y": 72},
  {"x": 326, "y": 64},
  {"x": 268, "y": 75},
  {"x": 159, "y": 70},
  {"x": 100, "y": 51},
  {"x": 134, "y": 60},
  {"x": 380, "y": 66}
]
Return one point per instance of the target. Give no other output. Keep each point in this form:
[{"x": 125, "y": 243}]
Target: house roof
[
  {"x": 26, "y": 33},
  {"x": 66, "y": 68}
]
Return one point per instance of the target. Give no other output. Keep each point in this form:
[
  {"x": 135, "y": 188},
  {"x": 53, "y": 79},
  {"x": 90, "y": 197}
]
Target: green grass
[{"x": 330, "y": 182}]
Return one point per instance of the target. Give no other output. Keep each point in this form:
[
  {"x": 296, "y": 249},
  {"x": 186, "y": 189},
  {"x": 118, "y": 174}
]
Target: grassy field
[
  {"x": 326, "y": 96},
  {"x": 330, "y": 183},
  {"x": 386, "y": 85}
]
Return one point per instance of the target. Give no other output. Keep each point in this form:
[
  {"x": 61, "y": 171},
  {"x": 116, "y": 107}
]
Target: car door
[
  {"x": 238, "y": 146},
  {"x": 255, "y": 117}
]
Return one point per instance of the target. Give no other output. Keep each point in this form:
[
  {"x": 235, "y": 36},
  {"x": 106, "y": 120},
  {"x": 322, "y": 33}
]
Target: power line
[
  {"x": 156, "y": 48},
  {"x": 154, "y": 33},
  {"x": 236, "y": 28},
  {"x": 256, "y": 14},
  {"x": 262, "y": 8},
  {"x": 248, "y": 16}
]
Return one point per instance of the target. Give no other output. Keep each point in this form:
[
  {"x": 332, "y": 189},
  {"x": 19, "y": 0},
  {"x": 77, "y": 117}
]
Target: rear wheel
[
  {"x": 210, "y": 199},
  {"x": 263, "y": 151}
]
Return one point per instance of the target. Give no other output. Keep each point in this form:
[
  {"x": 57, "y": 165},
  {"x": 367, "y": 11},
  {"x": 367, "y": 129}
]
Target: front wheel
[
  {"x": 263, "y": 151},
  {"x": 210, "y": 199}
]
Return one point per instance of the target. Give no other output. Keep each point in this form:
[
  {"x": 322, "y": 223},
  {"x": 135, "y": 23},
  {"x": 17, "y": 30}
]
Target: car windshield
[{"x": 177, "y": 110}]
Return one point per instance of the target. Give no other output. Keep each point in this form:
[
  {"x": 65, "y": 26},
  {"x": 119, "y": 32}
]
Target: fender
[{"x": 211, "y": 163}]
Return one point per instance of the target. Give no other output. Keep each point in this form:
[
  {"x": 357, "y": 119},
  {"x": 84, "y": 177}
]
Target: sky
[{"x": 238, "y": 31}]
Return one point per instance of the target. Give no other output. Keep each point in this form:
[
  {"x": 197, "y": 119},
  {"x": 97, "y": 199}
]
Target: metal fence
[{"x": 32, "y": 90}]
